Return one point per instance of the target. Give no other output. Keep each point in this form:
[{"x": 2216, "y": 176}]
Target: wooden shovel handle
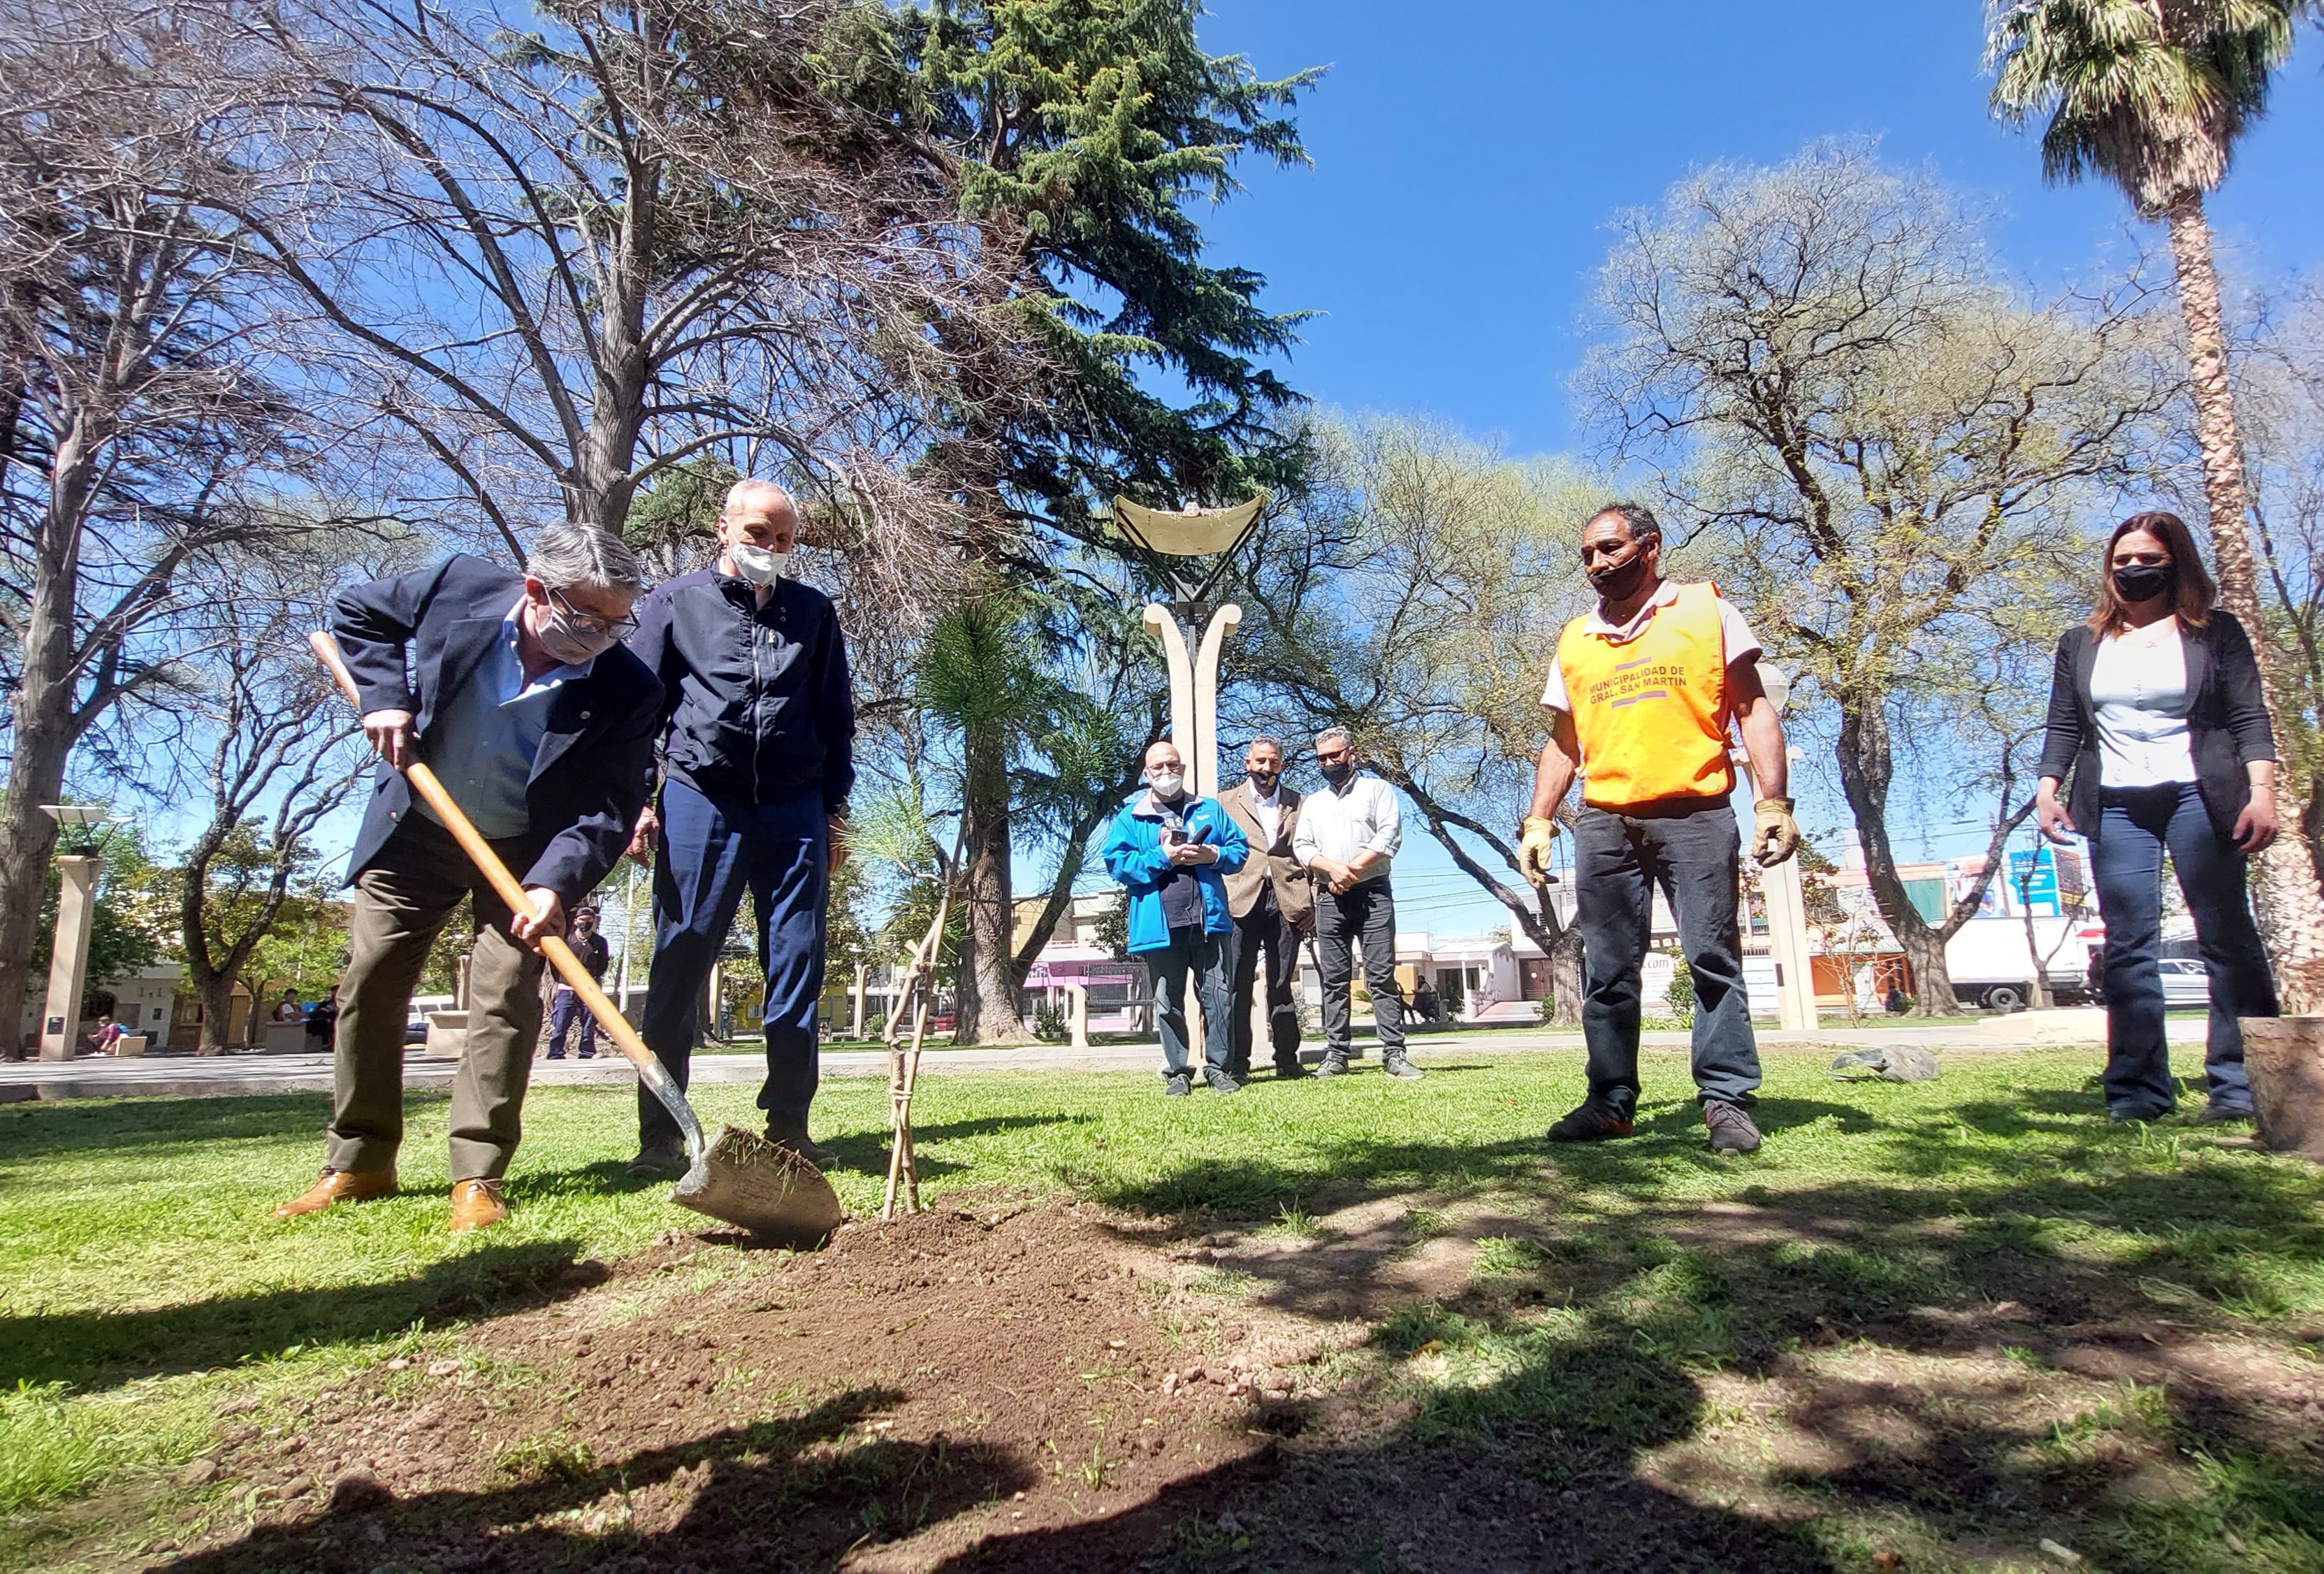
[{"x": 503, "y": 884}]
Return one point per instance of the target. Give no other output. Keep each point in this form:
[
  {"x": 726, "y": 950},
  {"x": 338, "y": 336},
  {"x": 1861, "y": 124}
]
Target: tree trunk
[
  {"x": 987, "y": 986},
  {"x": 1866, "y": 770},
  {"x": 216, "y": 995},
  {"x": 1566, "y": 979},
  {"x": 261, "y": 1014},
  {"x": 46, "y": 727},
  {"x": 2039, "y": 998},
  {"x": 2290, "y": 906}
]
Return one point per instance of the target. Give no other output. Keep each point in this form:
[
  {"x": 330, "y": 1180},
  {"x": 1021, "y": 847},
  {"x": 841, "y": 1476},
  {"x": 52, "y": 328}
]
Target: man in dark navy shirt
[{"x": 758, "y": 758}]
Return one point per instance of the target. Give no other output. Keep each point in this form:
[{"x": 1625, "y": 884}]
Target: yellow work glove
[
  {"x": 1776, "y": 834},
  {"x": 1532, "y": 848}
]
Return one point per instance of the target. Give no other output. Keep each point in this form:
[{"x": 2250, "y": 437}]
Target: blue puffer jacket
[{"x": 1133, "y": 855}]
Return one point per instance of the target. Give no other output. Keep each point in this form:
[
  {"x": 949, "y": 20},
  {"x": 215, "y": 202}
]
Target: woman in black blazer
[{"x": 2157, "y": 714}]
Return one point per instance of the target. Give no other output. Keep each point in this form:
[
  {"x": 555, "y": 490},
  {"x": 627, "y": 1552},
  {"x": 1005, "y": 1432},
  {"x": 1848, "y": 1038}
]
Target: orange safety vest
[{"x": 1651, "y": 712}]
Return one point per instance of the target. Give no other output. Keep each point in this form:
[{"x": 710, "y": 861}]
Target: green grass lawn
[{"x": 1971, "y": 1249}]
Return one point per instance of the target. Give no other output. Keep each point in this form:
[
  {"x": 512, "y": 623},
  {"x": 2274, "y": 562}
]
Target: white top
[
  {"x": 1269, "y": 812},
  {"x": 1736, "y": 642},
  {"x": 2138, "y": 691},
  {"x": 1339, "y": 823}
]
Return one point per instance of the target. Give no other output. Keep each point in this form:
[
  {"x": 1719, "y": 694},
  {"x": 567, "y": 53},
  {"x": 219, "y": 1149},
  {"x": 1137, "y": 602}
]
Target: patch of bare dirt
[{"x": 987, "y": 1369}]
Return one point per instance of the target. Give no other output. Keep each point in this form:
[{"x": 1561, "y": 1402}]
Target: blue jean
[
  {"x": 1619, "y": 860},
  {"x": 1205, "y": 958},
  {"x": 709, "y": 854},
  {"x": 2136, "y": 825},
  {"x": 562, "y": 1011}
]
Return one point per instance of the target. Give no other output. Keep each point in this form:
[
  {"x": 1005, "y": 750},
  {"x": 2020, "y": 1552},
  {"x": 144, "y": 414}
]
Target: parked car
[{"x": 2184, "y": 983}]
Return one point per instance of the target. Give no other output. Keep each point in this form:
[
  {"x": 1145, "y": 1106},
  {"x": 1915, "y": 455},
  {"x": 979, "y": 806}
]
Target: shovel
[{"x": 742, "y": 1179}]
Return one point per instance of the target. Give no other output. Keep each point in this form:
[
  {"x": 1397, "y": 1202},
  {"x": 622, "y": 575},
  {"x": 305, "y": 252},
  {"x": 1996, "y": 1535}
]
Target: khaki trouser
[{"x": 403, "y": 901}]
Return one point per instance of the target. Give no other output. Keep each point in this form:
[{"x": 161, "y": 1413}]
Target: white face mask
[
  {"x": 756, "y": 564},
  {"x": 1168, "y": 784}
]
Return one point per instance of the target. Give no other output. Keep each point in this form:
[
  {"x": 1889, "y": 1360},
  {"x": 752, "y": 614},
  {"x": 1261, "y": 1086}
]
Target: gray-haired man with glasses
[
  {"x": 513, "y": 687},
  {"x": 1349, "y": 830}
]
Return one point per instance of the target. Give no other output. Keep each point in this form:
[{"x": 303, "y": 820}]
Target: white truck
[{"x": 1992, "y": 966}]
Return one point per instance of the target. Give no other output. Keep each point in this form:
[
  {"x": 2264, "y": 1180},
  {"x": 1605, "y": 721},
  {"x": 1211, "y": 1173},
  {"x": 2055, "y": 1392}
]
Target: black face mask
[
  {"x": 1621, "y": 581},
  {"x": 1263, "y": 780},
  {"x": 1335, "y": 774},
  {"x": 2144, "y": 581}
]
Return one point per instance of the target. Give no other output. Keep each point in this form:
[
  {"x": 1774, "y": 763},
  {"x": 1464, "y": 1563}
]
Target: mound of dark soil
[{"x": 987, "y": 1370}]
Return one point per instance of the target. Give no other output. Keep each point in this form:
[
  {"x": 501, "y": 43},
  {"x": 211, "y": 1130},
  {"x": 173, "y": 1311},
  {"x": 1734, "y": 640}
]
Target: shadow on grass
[
  {"x": 867, "y": 1150},
  {"x": 1930, "y": 1352},
  {"x": 97, "y": 1349},
  {"x": 784, "y": 1493},
  {"x": 159, "y": 1126}
]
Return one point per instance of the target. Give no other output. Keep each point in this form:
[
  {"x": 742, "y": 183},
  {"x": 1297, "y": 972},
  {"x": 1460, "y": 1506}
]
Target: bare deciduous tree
[
  {"x": 1888, "y": 452},
  {"x": 132, "y": 403},
  {"x": 1415, "y": 597},
  {"x": 564, "y": 262},
  {"x": 282, "y": 755}
]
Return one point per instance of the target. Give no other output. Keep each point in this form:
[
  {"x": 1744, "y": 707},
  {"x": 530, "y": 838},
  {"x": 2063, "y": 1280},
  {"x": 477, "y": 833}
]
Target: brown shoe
[
  {"x": 339, "y": 1185},
  {"x": 477, "y": 1205}
]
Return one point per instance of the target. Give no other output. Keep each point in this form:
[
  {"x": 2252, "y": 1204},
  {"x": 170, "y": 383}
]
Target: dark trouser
[
  {"x": 1205, "y": 958},
  {"x": 709, "y": 856},
  {"x": 562, "y": 1011},
  {"x": 1366, "y": 914},
  {"x": 1619, "y": 860},
  {"x": 403, "y": 901},
  {"x": 1265, "y": 930},
  {"x": 2136, "y": 825}
]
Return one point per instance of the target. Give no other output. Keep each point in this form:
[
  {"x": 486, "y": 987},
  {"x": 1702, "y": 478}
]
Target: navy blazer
[
  {"x": 2226, "y": 721},
  {"x": 413, "y": 638}
]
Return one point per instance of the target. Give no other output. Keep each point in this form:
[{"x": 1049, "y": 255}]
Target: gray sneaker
[
  {"x": 1176, "y": 1084},
  {"x": 1731, "y": 1131},
  {"x": 1221, "y": 1081},
  {"x": 1394, "y": 1064},
  {"x": 1334, "y": 1064}
]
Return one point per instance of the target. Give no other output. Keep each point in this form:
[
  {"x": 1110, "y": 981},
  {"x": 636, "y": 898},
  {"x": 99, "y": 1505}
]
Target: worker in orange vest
[{"x": 1640, "y": 700}]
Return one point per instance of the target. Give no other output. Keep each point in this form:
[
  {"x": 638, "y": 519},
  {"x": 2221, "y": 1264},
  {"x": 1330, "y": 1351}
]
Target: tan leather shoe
[
  {"x": 477, "y": 1205},
  {"x": 339, "y": 1185}
]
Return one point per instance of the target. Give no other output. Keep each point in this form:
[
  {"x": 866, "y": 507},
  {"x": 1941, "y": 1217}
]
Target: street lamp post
[
  {"x": 1166, "y": 540},
  {"x": 77, "y": 873}
]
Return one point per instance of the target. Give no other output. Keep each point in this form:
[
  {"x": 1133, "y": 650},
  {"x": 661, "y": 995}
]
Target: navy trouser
[
  {"x": 1619, "y": 860},
  {"x": 563, "y": 1011},
  {"x": 2135, "y": 825},
  {"x": 1205, "y": 958},
  {"x": 709, "y": 856}
]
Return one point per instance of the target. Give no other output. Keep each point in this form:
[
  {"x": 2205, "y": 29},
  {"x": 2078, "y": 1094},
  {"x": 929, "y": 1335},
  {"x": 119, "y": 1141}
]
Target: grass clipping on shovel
[{"x": 769, "y": 1190}]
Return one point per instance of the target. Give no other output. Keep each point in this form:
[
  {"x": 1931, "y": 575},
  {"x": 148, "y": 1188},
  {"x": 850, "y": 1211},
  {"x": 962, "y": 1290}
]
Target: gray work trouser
[{"x": 403, "y": 901}]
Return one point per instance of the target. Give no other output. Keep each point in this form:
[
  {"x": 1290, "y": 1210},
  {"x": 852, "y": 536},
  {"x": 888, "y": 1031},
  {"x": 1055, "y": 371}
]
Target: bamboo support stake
[{"x": 903, "y": 1067}]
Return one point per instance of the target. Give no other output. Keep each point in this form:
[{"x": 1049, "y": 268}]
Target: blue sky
[{"x": 1468, "y": 157}]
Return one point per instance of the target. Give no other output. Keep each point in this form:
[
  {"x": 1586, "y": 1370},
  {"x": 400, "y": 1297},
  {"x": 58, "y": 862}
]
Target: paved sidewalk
[{"x": 185, "y": 1077}]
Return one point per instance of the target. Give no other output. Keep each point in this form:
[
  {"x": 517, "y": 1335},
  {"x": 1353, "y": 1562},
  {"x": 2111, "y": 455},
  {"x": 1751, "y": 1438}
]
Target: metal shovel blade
[{"x": 773, "y": 1192}]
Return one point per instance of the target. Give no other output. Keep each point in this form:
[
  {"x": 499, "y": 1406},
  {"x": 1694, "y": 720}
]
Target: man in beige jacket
[{"x": 1273, "y": 906}]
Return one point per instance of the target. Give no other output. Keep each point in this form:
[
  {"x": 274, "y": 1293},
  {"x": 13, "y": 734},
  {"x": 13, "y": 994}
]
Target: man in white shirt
[{"x": 1348, "y": 830}]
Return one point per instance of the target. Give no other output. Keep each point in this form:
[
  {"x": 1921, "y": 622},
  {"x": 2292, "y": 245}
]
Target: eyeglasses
[
  {"x": 590, "y": 622},
  {"x": 1332, "y": 758}
]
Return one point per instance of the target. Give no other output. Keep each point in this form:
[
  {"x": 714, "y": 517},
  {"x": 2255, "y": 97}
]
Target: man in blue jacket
[
  {"x": 758, "y": 757},
  {"x": 514, "y": 689},
  {"x": 1170, "y": 849}
]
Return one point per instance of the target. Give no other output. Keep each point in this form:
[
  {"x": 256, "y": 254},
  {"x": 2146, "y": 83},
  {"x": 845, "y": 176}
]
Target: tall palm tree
[{"x": 2152, "y": 96}]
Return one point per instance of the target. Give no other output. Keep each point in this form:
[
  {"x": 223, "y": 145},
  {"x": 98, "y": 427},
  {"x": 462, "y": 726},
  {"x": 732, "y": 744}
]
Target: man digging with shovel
[{"x": 515, "y": 688}]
